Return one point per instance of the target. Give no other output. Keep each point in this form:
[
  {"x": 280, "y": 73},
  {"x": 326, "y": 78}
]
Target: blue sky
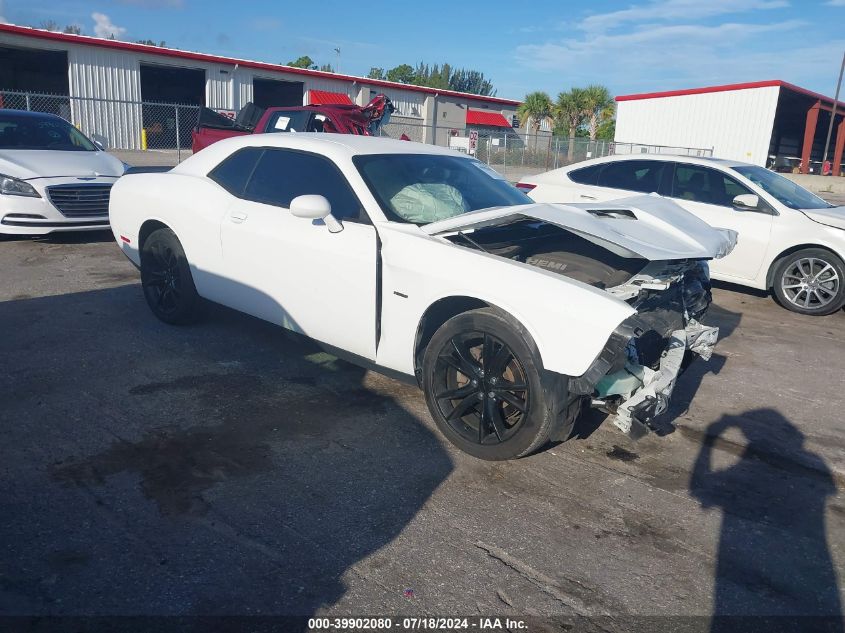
[{"x": 628, "y": 45}]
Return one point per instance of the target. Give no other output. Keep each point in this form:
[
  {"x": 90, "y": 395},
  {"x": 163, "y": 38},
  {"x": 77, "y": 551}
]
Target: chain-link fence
[
  {"x": 146, "y": 133},
  {"x": 138, "y": 132}
]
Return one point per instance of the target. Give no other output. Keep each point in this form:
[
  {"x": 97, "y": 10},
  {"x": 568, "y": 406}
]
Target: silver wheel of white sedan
[{"x": 810, "y": 282}]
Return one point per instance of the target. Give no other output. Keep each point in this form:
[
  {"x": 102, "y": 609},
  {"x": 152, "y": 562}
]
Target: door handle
[
  {"x": 586, "y": 197},
  {"x": 238, "y": 216}
]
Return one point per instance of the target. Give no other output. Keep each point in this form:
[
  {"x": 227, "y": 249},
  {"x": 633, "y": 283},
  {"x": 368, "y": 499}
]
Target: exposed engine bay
[{"x": 634, "y": 376}]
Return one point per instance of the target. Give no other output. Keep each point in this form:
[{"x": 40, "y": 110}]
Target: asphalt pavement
[{"x": 229, "y": 468}]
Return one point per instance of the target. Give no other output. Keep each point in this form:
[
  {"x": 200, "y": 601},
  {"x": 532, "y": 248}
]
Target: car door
[
  {"x": 293, "y": 271},
  {"x": 708, "y": 193}
]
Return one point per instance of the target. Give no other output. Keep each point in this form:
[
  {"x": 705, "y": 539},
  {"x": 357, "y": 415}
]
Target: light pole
[
  {"x": 337, "y": 50},
  {"x": 833, "y": 113}
]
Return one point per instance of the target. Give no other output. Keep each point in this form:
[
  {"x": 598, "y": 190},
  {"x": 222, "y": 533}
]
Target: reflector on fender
[
  {"x": 125, "y": 239},
  {"x": 524, "y": 186}
]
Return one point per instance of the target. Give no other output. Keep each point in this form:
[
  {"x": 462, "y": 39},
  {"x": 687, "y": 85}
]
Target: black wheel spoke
[
  {"x": 467, "y": 365},
  {"x": 458, "y": 392},
  {"x": 463, "y": 407},
  {"x": 494, "y": 418},
  {"x": 513, "y": 400}
]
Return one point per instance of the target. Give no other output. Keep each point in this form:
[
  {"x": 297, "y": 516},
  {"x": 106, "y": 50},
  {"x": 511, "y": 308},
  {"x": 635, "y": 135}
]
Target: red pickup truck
[{"x": 339, "y": 119}]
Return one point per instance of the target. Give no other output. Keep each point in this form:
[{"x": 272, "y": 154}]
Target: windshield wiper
[{"x": 473, "y": 242}]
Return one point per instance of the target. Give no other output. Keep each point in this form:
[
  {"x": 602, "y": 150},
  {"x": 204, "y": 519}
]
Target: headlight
[{"x": 14, "y": 187}]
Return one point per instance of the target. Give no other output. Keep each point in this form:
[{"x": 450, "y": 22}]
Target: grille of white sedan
[{"x": 81, "y": 201}]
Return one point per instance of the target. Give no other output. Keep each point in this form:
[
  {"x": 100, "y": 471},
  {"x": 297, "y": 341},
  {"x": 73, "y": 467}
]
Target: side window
[
  {"x": 634, "y": 175},
  {"x": 586, "y": 175},
  {"x": 289, "y": 121},
  {"x": 702, "y": 184},
  {"x": 282, "y": 175},
  {"x": 234, "y": 172}
]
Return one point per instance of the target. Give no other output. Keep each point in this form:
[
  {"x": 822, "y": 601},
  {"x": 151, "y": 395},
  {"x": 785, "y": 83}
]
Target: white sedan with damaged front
[{"x": 510, "y": 315}]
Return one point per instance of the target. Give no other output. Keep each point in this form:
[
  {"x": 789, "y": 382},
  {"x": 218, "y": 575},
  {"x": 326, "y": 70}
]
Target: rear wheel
[
  {"x": 166, "y": 279},
  {"x": 486, "y": 388},
  {"x": 810, "y": 281}
]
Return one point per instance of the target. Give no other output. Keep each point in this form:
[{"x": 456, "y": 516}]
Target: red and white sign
[{"x": 473, "y": 142}]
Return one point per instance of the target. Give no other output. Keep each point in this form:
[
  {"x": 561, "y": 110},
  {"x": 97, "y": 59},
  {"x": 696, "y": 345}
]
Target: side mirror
[
  {"x": 313, "y": 207},
  {"x": 746, "y": 202}
]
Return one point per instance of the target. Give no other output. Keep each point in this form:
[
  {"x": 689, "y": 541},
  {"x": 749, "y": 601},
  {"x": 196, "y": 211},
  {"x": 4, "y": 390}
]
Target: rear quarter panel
[{"x": 192, "y": 207}]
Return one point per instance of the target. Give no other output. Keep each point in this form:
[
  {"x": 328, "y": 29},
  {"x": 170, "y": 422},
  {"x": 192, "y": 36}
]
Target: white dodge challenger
[{"x": 511, "y": 315}]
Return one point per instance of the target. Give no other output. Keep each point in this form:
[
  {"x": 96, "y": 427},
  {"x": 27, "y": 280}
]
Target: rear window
[
  {"x": 644, "y": 176},
  {"x": 586, "y": 175}
]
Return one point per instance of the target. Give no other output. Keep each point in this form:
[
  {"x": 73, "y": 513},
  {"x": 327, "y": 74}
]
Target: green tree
[
  {"x": 303, "y": 62},
  {"x": 404, "y": 74},
  {"x": 570, "y": 112},
  {"x": 73, "y": 29},
  {"x": 327, "y": 68},
  {"x": 376, "y": 73},
  {"x": 598, "y": 106},
  {"x": 536, "y": 108}
]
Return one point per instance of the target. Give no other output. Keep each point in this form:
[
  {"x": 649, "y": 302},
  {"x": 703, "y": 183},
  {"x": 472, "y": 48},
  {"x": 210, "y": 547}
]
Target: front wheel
[
  {"x": 810, "y": 282},
  {"x": 486, "y": 388},
  {"x": 166, "y": 279}
]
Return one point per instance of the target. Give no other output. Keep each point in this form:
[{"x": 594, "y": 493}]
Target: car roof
[
  {"x": 29, "y": 114},
  {"x": 695, "y": 160},
  {"x": 339, "y": 147}
]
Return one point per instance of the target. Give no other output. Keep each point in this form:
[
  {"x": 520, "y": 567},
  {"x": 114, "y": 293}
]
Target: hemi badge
[{"x": 125, "y": 239}]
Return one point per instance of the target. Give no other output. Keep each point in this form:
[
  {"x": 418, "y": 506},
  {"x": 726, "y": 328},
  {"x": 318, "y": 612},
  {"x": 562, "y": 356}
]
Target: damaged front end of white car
[{"x": 645, "y": 251}]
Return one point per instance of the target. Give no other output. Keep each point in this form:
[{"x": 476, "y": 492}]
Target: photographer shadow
[{"x": 774, "y": 570}]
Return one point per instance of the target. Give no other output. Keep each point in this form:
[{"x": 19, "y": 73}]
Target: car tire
[
  {"x": 810, "y": 281},
  {"x": 166, "y": 279},
  {"x": 503, "y": 407}
]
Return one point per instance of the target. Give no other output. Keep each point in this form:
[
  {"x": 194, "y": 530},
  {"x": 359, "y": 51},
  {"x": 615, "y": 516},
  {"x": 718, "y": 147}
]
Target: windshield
[
  {"x": 27, "y": 131},
  {"x": 423, "y": 188},
  {"x": 786, "y": 191}
]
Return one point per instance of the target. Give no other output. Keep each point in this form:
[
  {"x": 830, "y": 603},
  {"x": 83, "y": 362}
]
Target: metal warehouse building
[
  {"x": 109, "y": 87},
  {"x": 758, "y": 123}
]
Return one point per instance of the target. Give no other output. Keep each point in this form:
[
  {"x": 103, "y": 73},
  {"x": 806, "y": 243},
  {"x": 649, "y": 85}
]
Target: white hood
[
  {"x": 834, "y": 216},
  {"x": 659, "y": 229},
  {"x": 27, "y": 164}
]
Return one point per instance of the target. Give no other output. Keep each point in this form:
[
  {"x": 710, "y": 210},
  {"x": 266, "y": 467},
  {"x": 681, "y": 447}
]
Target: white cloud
[
  {"x": 669, "y": 10},
  {"x": 103, "y": 26},
  {"x": 835, "y": 3},
  {"x": 682, "y": 55}
]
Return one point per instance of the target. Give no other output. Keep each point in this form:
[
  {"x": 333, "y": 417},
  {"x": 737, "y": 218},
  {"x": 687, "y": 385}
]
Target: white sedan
[
  {"x": 422, "y": 261},
  {"x": 52, "y": 177},
  {"x": 790, "y": 240}
]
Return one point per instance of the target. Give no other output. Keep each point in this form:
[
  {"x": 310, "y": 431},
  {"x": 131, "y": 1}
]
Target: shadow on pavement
[
  {"x": 774, "y": 567},
  {"x": 225, "y": 468}
]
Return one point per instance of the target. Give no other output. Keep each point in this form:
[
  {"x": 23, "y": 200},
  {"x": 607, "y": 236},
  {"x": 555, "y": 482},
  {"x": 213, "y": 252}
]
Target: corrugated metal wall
[
  {"x": 99, "y": 74},
  {"x": 737, "y": 124}
]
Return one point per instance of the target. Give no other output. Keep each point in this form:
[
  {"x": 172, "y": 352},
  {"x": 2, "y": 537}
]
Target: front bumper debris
[{"x": 637, "y": 393}]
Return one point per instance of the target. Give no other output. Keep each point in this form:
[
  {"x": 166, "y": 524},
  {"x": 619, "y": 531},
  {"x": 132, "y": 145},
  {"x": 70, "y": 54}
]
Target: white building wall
[
  {"x": 114, "y": 118},
  {"x": 736, "y": 124}
]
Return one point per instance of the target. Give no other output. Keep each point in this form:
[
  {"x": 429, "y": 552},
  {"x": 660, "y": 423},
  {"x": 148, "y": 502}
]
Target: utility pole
[
  {"x": 833, "y": 113},
  {"x": 337, "y": 50}
]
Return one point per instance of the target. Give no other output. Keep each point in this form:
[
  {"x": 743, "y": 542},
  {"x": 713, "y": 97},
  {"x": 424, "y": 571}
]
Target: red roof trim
[
  {"x": 726, "y": 88},
  {"x": 494, "y": 119},
  {"x": 204, "y": 57},
  {"x": 324, "y": 97}
]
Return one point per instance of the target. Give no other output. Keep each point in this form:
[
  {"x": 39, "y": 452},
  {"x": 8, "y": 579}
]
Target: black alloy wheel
[{"x": 166, "y": 279}]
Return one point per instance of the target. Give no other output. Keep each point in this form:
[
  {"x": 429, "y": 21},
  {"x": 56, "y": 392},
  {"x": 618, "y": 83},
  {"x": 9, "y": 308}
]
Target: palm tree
[
  {"x": 536, "y": 108},
  {"x": 599, "y": 106},
  {"x": 570, "y": 111}
]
